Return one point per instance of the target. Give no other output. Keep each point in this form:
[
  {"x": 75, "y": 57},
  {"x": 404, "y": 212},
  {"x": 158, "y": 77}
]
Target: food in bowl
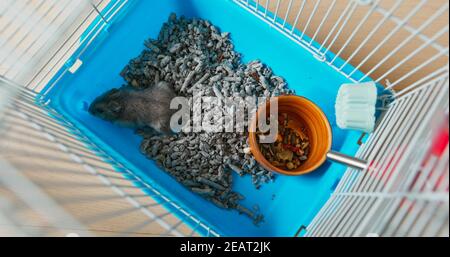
[{"x": 291, "y": 148}]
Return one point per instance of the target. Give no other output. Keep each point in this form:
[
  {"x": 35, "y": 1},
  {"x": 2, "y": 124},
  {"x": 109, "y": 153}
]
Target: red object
[
  {"x": 440, "y": 141},
  {"x": 291, "y": 148}
]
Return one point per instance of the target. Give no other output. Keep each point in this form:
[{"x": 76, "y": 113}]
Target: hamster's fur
[{"x": 138, "y": 109}]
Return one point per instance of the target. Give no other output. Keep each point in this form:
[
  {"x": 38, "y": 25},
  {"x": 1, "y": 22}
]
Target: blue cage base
[{"x": 288, "y": 203}]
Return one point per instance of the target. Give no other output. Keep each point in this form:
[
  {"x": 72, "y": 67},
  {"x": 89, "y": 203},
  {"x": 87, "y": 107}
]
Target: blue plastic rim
[{"x": 289, "y": 203}]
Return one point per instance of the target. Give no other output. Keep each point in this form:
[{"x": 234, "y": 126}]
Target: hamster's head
[{"x": 108, "y": 106}]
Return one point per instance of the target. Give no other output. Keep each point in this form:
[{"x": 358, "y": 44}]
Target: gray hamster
[{"x": 138, "y": 109}]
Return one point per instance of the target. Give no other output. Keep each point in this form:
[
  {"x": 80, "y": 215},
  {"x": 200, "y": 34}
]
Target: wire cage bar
[
  {"x": 401, "y": 45},
  {"x": 23, "y": 113},
  {"x": 379, "y": 38}
]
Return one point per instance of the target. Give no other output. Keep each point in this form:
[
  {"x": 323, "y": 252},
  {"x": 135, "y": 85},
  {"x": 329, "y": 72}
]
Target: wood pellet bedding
[{"x": 193, "y": 55}]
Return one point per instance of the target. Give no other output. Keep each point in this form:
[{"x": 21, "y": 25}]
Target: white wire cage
[{"x": 46, "y": 160}]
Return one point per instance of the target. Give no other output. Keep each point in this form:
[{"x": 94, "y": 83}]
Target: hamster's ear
[
  {"x": 163, "y": 85},
  {"x": 114, "y": 106}
]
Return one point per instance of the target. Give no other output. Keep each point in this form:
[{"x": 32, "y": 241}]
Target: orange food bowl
[{"x": 302, "y": 114}]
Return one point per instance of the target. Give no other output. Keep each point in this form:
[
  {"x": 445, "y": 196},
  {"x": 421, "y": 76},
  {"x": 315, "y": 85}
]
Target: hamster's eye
[{"x": 115, "y": 106}]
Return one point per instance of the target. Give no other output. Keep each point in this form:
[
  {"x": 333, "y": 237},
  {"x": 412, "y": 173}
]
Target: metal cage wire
[{"x": 400, "y": 44}]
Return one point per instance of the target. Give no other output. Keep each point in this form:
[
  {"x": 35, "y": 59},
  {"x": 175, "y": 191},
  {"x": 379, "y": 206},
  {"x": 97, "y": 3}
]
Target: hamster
[{"x": 138, "y": 109}]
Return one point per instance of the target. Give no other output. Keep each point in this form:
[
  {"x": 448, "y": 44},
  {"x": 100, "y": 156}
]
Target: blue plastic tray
[{"x": 297, "y": 199}]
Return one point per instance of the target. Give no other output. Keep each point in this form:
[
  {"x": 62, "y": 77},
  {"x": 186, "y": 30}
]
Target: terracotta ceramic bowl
[{"x": 302, "y": 113}]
